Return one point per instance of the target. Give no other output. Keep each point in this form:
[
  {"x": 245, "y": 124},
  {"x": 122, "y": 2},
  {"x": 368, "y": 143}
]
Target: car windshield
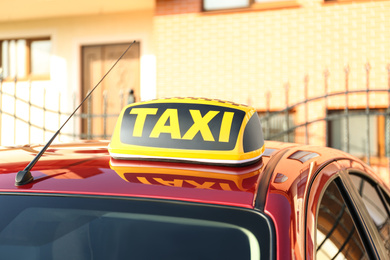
[{"x": 44, "y": 227}]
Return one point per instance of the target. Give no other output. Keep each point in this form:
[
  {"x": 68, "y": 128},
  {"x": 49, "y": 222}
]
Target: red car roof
[{"x": 85, "y": 168}]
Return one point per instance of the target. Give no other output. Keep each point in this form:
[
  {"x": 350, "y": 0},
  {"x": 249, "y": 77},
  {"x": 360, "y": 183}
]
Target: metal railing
[
  {"x": 15, "y": 101},
  {"x": 278, "y": 125},
  {"x": 89, "y": 116},
  {"x": 285, "y": 129},
  {"x": 10, "y": 101}
]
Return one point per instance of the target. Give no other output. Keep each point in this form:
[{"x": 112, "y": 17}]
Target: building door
[{"x": 101, "y": 110}]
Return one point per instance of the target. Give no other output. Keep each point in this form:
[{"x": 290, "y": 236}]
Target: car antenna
[{"x": 25, "y": 177}]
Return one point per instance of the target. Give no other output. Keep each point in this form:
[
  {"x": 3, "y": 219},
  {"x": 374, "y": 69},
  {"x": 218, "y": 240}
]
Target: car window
[
  {"x": 337, "y": 237},
  {"x": 376, "y": 207},
  {"x": 44, "y": 227}
]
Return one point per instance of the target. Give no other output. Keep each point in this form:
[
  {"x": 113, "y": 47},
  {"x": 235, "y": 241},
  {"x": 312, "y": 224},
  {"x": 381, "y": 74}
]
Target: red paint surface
[{"x": 86, "y": 170}]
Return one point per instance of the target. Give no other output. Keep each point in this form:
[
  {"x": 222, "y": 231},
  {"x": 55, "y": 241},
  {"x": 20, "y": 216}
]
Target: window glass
[
  {"x": 13, "y": 62},
  {"x": 40, "y": 57},
  {"x": 275, "y": 124},
  {"x": 4, "y": 68},
  {"x": 338, "y": 131},
  {"x": 24, "y": 57},
  {"x": 267, "y": 1},
  {"x": 387, "y": 134},
  {"x": 21, "y": 58},
  {"x": 375, "y": 208},
  {"x": 337, "y": 237},
  {"x": 211, "y": 5},
  {"x": 140, "y": 231},
  {"x": 12, "y": 58},
  {"x": 45, "y": 227}
]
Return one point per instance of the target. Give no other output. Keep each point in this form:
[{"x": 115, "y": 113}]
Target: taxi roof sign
[{"x": 188, "y": 129}]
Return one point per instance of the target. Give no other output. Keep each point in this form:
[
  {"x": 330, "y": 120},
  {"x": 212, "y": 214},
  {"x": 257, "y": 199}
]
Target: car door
[
  {"x": 337, "y": 226},
  {"x": 377, "y": 202}
]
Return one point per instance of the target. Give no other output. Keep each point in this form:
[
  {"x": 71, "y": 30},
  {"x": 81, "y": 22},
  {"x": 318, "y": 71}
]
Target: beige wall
[
  {"x": 68, "y": 35},
  {"x": 240, "y": 55}
]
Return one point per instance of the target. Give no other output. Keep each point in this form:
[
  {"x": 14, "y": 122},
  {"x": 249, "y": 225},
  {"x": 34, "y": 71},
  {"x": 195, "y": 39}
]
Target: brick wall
[
  {"x": 240, "y": 55},
  {"x": 171, "y": 7}
]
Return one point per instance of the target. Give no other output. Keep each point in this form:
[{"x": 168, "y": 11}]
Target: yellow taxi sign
[{"x": 188, "y": 129}]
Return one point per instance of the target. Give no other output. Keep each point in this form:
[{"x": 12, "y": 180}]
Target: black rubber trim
[
  {"x": 361, "y": 227},
  {"x": 224, "y": 213},
  {"x": 265, "y": 180},
  {"x": 346, "y": 197}
]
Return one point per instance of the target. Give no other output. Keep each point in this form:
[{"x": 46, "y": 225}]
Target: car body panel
[
  {"x": 283, "y": 184},
  {"x": 84, "y": 169}
]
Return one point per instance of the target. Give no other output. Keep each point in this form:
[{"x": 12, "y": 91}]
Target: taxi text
[{"x": 200, "y": 124}]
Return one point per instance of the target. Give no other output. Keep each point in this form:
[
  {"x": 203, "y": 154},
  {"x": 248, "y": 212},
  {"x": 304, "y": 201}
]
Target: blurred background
[{"x": 317, "y": 71}]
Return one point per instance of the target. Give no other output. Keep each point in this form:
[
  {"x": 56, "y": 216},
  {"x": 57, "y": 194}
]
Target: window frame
[
  {"x": 335, "y": 170},
  {"x": 258, "y": 223},
  {"x": 326, "y": 2},
  {"x": 381, "y": 191},
  {"x": 28, "y": 60},
  {"x": 338, "y": 185},
  {"x": 255, "y": 6},
  {"x": 380, "y": 116},
  {"x": 267, "y": 119}
]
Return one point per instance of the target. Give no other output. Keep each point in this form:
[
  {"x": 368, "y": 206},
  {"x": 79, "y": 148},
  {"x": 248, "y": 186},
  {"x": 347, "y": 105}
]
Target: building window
[
  {"x": 268, "y": 1},
  {"x": 278, "y": 126},
  {"x": 348, "y": 132},
  {"x": 25, "y": 58},
  {"x": 216, "y": 5},
  {"x": 341, "y": 1},
  {"x": 212, "y": 5}
]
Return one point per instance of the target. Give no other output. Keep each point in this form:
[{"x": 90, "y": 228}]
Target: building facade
[
  {"x": 54, "y": 52},
  {"x": 277, "y": 55},
  {"x": 324, "y": 64}
]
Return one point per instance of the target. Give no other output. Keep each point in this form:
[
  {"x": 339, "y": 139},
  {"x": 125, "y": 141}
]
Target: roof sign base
[{"x": 189, "y": 130}]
